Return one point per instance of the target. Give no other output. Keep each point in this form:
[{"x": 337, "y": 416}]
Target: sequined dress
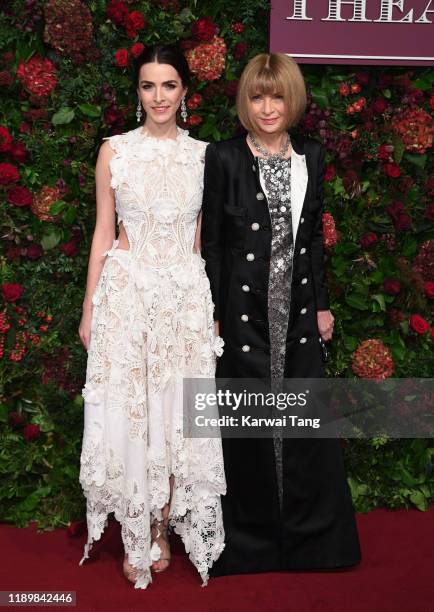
[
  {"x": 275, "y": 175},
  {"x": 152, "y": 325}
]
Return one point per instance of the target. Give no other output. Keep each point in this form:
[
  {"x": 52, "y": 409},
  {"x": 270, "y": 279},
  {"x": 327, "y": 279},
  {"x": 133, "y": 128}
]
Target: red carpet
[{"x": 396, "y": 573}]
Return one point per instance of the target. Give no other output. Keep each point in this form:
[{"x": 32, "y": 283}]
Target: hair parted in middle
[{"x": 268, "y": 74}]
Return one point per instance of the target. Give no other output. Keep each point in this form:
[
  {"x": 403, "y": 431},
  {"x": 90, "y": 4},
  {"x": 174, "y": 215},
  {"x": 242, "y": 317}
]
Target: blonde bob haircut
[{"x": 268, "y": 74}]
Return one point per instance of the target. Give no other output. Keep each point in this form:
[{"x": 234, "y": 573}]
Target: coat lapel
[
  {"x": 299, "y": 178},
  {"x": 299, "y": 175}
]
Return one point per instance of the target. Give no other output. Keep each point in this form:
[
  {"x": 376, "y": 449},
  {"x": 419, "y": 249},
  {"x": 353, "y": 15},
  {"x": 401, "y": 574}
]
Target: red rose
[
  {"x": 6, "y": 79},
  {"x": 69, "y": 249},
  {"x": 240, "y": 50},
  {"x": 392, "y": 170},
  {"x": 330, "y": 172},
  {"x": 429, "y": 211},
  {"x": 137, "y": 49},
  {"x": 194, "y": 101},
  {"x": 194, "y": 120},
  {"x": 344, "y": 89},
  {"x": 134, "y": 22},
  {"x": 20, "y": 196},
  {"x": 392, "y": 286},
  {"x": 111, "y": 116},
  {"x": 395, "y": 209},
  {"x": 117, "y": 12},
  {"x": 8, "y": 174},
  {"x": 204, "y": 29},
  {"x": 379, "y": 106},
  {"x": 16, "y": 419},
  {"x": 12, "y": 291},
  {"x": 355, "y": 88},
  {"x": 403, "y": 223},
  {"x": 31, "y": 432},
  {"x": 34, "y": 252},
  {"x": 121, "y": 57},
  {"x": 19, "y": 152},
  {"x": 6, "y": 139},
  {"x": 384, "y": 151},
  {"x": 368, "y": 240},
  {"x": 429, "y": 290},
  {"x": 418, "y": 324}
]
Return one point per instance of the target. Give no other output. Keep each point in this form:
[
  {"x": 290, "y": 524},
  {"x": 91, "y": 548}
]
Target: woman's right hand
[{"x": 84, "y": 327}]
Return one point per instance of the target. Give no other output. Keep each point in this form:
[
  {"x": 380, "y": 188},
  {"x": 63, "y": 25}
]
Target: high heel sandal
[
  {"x": 130, "y": 572},
  {"x": 159, "y": 529}
]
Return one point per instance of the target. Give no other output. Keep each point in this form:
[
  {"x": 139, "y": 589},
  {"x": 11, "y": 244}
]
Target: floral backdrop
[{"x": 65, "y": 83}]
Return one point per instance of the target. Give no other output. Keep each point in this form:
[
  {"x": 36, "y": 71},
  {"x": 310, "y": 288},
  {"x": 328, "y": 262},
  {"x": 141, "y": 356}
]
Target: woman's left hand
[{"x": 325, "y": 324}]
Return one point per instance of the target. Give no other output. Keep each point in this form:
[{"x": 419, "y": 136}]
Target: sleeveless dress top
[{"x": 152, "y": 325}]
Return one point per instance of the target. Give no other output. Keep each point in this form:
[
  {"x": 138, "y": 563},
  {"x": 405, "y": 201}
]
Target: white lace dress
[{"x": 152, "y": 325}]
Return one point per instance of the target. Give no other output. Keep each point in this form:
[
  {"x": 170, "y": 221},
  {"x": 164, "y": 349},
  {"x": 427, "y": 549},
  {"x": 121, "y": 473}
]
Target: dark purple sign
[{"x": 391, "y": 32}]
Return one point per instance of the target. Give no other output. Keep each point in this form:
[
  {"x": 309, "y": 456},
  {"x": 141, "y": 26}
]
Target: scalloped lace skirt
[{"x": 150, "y": 328}]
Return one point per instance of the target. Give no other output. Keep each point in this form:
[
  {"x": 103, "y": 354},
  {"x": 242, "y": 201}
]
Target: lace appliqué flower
[
  {"x": 218, "y": 346},
  {"x": 92, "y": 393}
]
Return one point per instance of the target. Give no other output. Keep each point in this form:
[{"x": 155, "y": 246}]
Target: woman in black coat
[{"x": 288, "y": 505}]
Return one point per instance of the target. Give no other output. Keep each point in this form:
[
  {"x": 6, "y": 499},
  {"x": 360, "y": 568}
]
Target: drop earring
[
  {"x": 139, "y": 111},
  {"x": 183, "y": 110}
]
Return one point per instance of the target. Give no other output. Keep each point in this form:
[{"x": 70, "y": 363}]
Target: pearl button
[
  {"x": 282, "y": 208},
  {"x": 244, "y": 318},
  {"x": 302, "y": 220},
  {"x": 303, "y": 340},
  {"x": 281, "y": 220},
  {"x": 246, "y": 348},
  {"x": 259, "y": 196},
  {"x": 254, "y": 168},
  {"x": 303, "y": 311},
  {"x": 245, "y": 288},
  {"x": 304, "y": 281},
  {"x": 302, "y": 251},
  {"x": 255, "y": 227},
  {"x": 250, "y": 257}
]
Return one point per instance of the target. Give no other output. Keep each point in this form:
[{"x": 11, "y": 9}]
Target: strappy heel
[
  {"x": 159, "y": 532},
  {"x": 130, "y": 572}
]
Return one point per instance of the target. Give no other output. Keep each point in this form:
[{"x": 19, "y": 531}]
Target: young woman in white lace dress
[{"x": 147, "y": 323}]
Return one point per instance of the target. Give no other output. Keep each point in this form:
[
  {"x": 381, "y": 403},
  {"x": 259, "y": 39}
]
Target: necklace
[{"x": 266, "y": 153}]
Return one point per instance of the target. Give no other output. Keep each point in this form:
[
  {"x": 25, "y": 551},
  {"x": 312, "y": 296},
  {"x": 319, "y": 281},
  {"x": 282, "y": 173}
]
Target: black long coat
[{"x": 316, "y": 527}]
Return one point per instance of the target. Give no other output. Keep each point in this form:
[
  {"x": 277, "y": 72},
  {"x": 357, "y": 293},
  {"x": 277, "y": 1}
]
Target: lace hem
[{"x": 201, "y": 517}]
